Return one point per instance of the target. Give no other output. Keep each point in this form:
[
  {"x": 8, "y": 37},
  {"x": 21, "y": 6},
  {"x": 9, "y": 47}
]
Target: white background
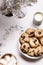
[{"x": 10, "y": 44}]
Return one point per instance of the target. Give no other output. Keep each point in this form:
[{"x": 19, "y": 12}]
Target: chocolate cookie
[
  {"x": 31, "y": 52},
  {"x": 30, "y": 32},
  {"x": 41, "y": 41},
  {"x": 38, "y": 51},
  {"x": 24, "y": 35},
  {"x": 39, "y": 33},
  {"x": 34, "y": 42},
  {"x": 21, "y": 40},
  {"x": 25, "y": 47},
  {"x": 24, "y": 38}
]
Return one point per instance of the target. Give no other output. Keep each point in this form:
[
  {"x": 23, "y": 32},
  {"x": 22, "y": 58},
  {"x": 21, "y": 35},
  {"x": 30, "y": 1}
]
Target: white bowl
[{"x": 26, "y": 54}]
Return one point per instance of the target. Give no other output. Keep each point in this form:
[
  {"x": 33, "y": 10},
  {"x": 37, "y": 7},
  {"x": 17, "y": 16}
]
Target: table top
[{"x": 10, "y": 38}]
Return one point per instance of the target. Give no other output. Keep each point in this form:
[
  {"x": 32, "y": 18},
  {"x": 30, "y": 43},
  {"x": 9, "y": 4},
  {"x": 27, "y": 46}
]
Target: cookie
[
  {"x": 21, "y": 40},
  {"x": 24, "y": 38},
  {"x": 25, "y": 47},
  {"x": 41, "y": 41},
  {"x": 39, "y": 33},
  {"x": 38, "y": 51},
  {"x": 34, "y": 42},
  {"x": 30, "y": 32},
  {"x": 24, "y": 35},
  {"x": 31, "y": 52},
  {"x": 42, "y": 49}
]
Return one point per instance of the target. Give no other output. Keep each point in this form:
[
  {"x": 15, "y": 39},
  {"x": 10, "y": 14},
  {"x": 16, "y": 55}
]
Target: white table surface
[{"x": 11, "y": 40}]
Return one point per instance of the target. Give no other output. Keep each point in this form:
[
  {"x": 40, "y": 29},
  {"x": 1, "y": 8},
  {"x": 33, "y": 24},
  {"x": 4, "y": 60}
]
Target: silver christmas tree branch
[{"x": 8, "y": 7}]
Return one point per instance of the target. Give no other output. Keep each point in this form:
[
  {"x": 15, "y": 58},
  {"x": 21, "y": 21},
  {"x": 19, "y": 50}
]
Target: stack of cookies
[
  {"x": 31, "y": 42},
  {"x": 8, "y": 59}
]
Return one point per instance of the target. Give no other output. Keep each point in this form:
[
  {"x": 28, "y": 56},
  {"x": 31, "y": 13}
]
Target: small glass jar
[{"x": 38, "y": 18}]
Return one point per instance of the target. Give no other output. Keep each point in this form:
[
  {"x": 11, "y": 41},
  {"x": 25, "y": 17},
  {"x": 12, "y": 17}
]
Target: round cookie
[
  {"x": 25, "y": 47},
  {"x": 41, "y": 49},
  {"x": 31, "y": 52},
  {"x": 21, "y": 40},
  {"x": 34, "y": 42},
  {"x": 24, "y": 35},
  {"x": 38, "y": 51},
  {"x": 41, "y": 41},
  {"x": 26, "y": 39},
  {"x": 39, "y": 33},
  {"x": 30, "y": 32}
]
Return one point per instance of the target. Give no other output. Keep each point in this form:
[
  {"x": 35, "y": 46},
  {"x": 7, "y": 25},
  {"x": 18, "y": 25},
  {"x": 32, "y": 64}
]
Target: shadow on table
[
  {"x": 35, "y": 26},
  {"x": 28, "y": 59}
]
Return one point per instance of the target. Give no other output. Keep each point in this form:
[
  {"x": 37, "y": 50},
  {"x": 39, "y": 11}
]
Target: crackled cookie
[
  {"x": 30, "y": 32},
  {"x": 39, "y": 33},
  {"x": 41, "y": 50},
  {"x": 41, "y": 41},
  {"x": 21, "y": 40},
  {"x": 25, "y": 47},
  {"x": 34, "y": 42},
  {"x": 31, "y": 52},
  {"x": 24, "y": 35},
  {"x": 38, "y": 51},
  {"x": 24, "y": 38}
]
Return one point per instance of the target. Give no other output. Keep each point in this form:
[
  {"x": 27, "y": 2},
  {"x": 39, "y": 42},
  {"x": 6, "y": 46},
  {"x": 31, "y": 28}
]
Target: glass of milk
[{"x": 38, "y": 18}]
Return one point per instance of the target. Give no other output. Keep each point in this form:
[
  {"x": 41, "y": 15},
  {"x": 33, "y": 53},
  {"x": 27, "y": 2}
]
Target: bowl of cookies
[{"x": 31, "y": 43}]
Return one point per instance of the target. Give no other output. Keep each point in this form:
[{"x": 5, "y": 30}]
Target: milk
[{"x": 38, "y": 17}]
